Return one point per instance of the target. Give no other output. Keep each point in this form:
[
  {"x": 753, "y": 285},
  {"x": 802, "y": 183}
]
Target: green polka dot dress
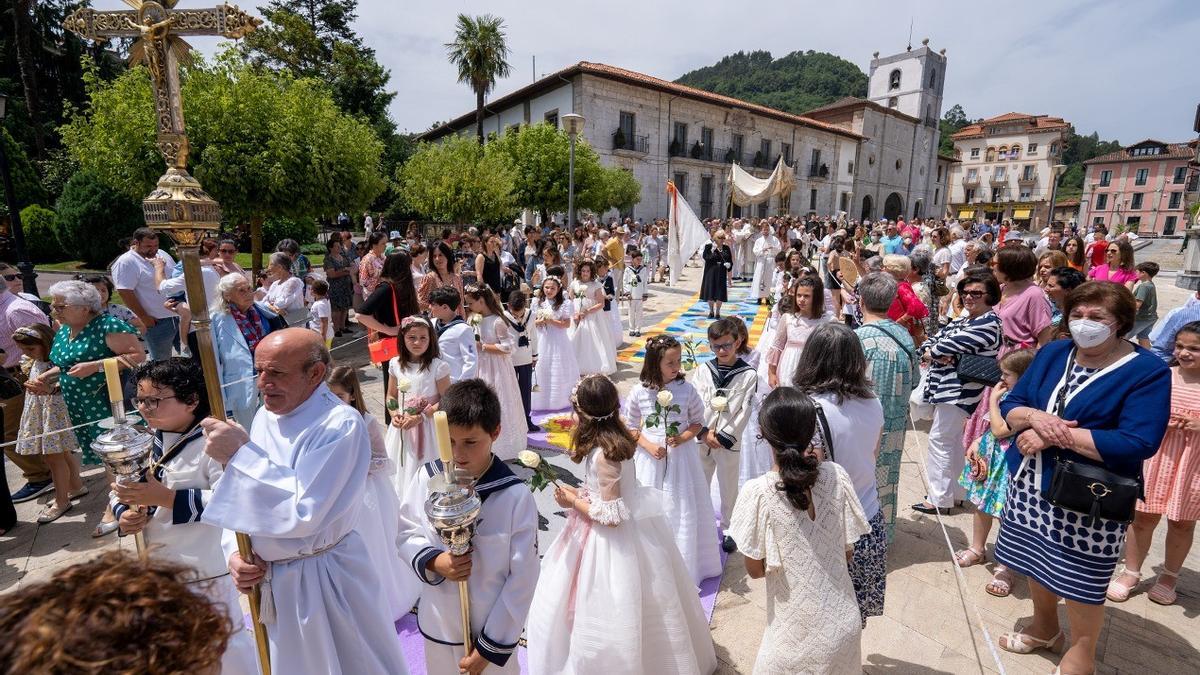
[{"x": 87, "y": 398}]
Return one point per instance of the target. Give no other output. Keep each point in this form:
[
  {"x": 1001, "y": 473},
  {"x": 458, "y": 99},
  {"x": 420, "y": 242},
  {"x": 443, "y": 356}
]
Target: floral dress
[
  {"x": 341, "y": 289},
  {"x": 87, "y": 398},
  {"x": 988, "y": 491},
  {"x": 43, "y": 414}
]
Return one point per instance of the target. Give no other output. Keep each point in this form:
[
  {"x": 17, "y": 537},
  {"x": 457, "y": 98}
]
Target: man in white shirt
[
  {"x": 133, "y": 275},
  {"x": 295, "y": 485},
  {"x": 958, "y": 249}
]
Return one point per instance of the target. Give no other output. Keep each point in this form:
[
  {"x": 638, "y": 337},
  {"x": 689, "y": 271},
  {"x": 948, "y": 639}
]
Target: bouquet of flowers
[
  {"x": 543, "y": 473},
  {"x": 475, "y": 321}
]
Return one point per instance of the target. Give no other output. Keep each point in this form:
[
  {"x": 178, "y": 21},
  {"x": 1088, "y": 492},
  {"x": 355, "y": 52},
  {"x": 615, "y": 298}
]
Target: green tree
[
  {"x": 93, "y": 218},
  {"x": 624, "y": 190},
  {"x": 456, "y": 181},
  {"x": 26, "y": 184},
  {"x": 952, "y": 121},
  {"x": 480, "y": 53},
  {"x": 41, "y": 242},
  {"x": 540, "y": 157},
  {"x": 314, "y": 38}
]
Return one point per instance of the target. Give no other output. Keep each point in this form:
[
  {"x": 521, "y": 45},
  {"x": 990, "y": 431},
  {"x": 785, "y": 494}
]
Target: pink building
[{"x": 1146, "y": 187}]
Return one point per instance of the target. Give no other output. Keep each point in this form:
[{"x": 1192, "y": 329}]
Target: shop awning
[
  {"x": 1021, "y": 214},
  {"x": 966, "y": 213}
]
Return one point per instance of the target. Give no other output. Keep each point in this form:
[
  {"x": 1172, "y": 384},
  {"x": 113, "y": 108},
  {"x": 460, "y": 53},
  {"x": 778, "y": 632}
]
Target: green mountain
[{"x": 795, "y": 83}]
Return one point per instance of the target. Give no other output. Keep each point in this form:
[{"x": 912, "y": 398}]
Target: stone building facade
[
  {"x": 1006, "y": 168},
  {"x": 661, "y": 131}
]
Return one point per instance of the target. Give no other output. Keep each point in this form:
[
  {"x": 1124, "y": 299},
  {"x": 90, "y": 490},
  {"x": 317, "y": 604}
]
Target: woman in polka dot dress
[
  {"x": 1096, "y": 400},
  {"x": 86, "y": 338}
]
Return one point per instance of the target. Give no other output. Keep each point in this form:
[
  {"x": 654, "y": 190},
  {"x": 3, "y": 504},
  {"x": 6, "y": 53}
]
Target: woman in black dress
[
  {"x": 718, "y": 261},
  {"x": 393, "y": 300},
  {"x": 488, "y": 269}
]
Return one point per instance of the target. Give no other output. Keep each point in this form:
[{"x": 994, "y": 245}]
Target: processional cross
[{"x": 178, "y": 205}]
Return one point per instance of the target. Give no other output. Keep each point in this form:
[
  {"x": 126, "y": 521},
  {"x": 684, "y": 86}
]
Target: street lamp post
[
  {"x": 573, "y": 125},
  {"x": 1055, "y": 172},
  {"x": 28, "y": 276}
]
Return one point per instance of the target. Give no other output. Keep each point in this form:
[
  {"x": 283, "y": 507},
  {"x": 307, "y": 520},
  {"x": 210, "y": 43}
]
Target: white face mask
[{"x": 1087, "y": 333}]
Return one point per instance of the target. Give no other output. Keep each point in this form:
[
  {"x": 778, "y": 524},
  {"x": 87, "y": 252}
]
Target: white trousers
[
  {"x": 725, "y": 464},
  {"x": 443, "y": 659},
  {"x": 946, "y": 457},
  {"x": 635, "y": 314}
]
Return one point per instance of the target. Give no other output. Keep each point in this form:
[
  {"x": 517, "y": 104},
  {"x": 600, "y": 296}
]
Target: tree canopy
[
  {"x": 455, "y": 181},
  {"x": 795, "y": 83},
  {"x": 262, "y": 143},
  {"x": 480, "y": 53}
]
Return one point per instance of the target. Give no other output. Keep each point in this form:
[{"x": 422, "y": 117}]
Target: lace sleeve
[
  {"x": 608, "y": 508},
  {"x": 750, "y": 525}
]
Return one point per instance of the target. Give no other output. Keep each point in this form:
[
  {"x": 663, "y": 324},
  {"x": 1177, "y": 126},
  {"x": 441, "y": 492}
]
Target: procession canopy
[{"x": 746, "y": 189}]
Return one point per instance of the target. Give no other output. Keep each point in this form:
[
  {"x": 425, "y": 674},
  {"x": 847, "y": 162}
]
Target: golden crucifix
[{"x": 178, "y": 205}]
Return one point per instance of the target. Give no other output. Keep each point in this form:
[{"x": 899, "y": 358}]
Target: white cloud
[{"x": 1116, "y": 67}]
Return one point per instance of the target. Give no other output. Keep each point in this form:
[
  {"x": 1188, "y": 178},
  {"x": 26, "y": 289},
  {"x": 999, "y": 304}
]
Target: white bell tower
[{"x": 910, "y": 82}]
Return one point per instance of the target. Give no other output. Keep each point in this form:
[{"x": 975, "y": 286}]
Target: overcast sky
[{"x": 1123, "y": 68}]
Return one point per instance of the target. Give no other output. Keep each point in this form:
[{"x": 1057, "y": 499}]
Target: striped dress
[
  {"x": 1173, "y": 475},
  {"x": 982, "y": 336}
]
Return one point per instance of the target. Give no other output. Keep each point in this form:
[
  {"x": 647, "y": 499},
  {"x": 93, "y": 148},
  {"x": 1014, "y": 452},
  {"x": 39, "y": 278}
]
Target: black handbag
[
  {"x": 978, "y": 369},
  {"x": 1087, "y": 488}
]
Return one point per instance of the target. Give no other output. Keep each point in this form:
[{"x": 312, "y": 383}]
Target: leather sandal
[
  {"x": 1119, "y": 592},
  {"x": 1024, "y": 643},
  {"x": 53, "y": 512},
  {"x": 969, "y": 557},
  {"x": 1001, "y": 584},
  {"x": 1161, "y": 594}
]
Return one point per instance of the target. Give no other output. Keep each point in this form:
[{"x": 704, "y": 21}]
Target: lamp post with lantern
[
  {"x": 573, "y": 125},
  {"x": 28, "y": 276}
]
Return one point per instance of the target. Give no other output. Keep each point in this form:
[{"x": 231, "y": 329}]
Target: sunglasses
[
  {"x": 11, "y": 277},
  {"x": 973, "y": 294}
]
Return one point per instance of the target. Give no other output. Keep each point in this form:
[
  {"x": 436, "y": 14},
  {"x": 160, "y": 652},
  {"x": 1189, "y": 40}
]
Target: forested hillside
[{"x": 795, "y": 83}]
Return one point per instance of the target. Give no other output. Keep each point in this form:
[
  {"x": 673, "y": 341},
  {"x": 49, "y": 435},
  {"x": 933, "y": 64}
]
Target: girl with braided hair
[
  {"x": 797, "y": 525},
  {"x": 596, "y": 574}
]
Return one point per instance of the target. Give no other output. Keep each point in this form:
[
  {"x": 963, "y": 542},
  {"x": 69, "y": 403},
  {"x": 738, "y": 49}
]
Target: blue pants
[{"x": 162, "y": 338}]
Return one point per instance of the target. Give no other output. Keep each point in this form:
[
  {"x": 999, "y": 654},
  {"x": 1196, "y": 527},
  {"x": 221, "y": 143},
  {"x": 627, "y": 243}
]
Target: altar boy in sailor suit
[
  {"x": 171, "y": 398},
  {"x": 501, "y": 569},
  {"x": 730, "y": 377},
  {"x": 635, "y": 282},
  {"x": 456, "y": 338}
]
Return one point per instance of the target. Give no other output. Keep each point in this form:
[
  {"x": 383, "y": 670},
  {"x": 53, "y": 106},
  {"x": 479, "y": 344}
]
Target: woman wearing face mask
[{"x": 1096, "y": 400}]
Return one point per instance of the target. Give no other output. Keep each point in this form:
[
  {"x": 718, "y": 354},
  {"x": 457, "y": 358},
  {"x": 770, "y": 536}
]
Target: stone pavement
[{"x": 929, "y": 626}]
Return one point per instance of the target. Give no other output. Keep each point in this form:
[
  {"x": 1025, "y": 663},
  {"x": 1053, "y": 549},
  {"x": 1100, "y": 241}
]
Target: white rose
[
  {"x": 719, "y": 403},
  {"x": 529, "y": 459},
  {"x": 403, "y": 385},
  {"x": 665, "y": 397},
  {"x": 476, "y": 319}
]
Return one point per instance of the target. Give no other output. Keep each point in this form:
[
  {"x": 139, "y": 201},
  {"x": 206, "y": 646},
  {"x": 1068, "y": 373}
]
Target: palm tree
[{"x": 481, "y": 55}]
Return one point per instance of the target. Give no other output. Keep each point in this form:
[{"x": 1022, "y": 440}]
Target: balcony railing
[
  {"x": 818, "y": 171},
  {"x": 1027, "y": 179},
  {"x": 632, "y": 143},
  {"x": 998, "y": 180},
  {"x": 970, "y": 180}
]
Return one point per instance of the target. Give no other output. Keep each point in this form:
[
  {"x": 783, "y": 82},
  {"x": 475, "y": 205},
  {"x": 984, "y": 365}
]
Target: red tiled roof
[
  {"x": 1035, "y": 123},
  {"x": 948, "y": 158},
  {"x": 640, "y": 79},
  {"x": 1072, "y": 201},
  {"x": 1174, "y": 151},
  {"x": 856, "y": 102}
]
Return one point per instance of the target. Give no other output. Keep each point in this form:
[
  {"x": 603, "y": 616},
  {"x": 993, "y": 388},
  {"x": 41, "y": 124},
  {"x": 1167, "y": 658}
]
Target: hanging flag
[{"x": 685, "y": 233}]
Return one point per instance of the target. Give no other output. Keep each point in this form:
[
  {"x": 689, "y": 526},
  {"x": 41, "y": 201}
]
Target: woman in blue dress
[{"x": 1097, "y": 400}]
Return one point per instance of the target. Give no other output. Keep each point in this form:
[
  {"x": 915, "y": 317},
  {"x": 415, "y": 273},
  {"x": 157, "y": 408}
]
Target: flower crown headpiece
[
  {"x": 411, "y": 320},
  {"x": 583, "y": 413}
]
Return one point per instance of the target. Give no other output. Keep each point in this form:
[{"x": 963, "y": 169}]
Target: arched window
[
  {"x": 894, "y": 80},
  {"x": 933, "y": 79},
  {"x": 991, "y": 155},
  {"x": 1015, "y": 153},
  {"x": 1002, "y": 152}
]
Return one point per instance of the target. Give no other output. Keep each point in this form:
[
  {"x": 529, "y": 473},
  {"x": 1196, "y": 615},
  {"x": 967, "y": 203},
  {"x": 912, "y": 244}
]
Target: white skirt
[
  {"x": 687, "y": 506},
  {"x": 594, "y": 350},
  {"x": 556, "y": 372},
  {"x": 379, "y": 525},
  {"x": 618, "y": 600}
]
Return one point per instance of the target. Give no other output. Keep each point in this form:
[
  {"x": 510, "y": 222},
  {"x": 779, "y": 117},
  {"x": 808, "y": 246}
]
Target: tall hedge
[
  {"x": 93, "y": 219},
  {"x": 41, "y": 240}
]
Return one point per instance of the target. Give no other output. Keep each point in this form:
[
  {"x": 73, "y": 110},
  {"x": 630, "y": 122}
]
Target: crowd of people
[{"x": 1038, "y": 359}]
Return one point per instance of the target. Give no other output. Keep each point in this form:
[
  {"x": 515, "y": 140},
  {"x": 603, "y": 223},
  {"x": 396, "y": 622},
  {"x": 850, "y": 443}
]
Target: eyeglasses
[
  {"x": 11, "y": 277},
  {"x": 59, "y": 308},
  {"x": 720, "y": 346},
  {"x": 149, "y": 403},
  {"x": 973, "y": 294}
]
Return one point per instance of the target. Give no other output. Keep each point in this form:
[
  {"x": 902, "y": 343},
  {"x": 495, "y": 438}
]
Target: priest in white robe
[
  {"x": 295, "y": 484},
  {"x": 765, "y": 248}
]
